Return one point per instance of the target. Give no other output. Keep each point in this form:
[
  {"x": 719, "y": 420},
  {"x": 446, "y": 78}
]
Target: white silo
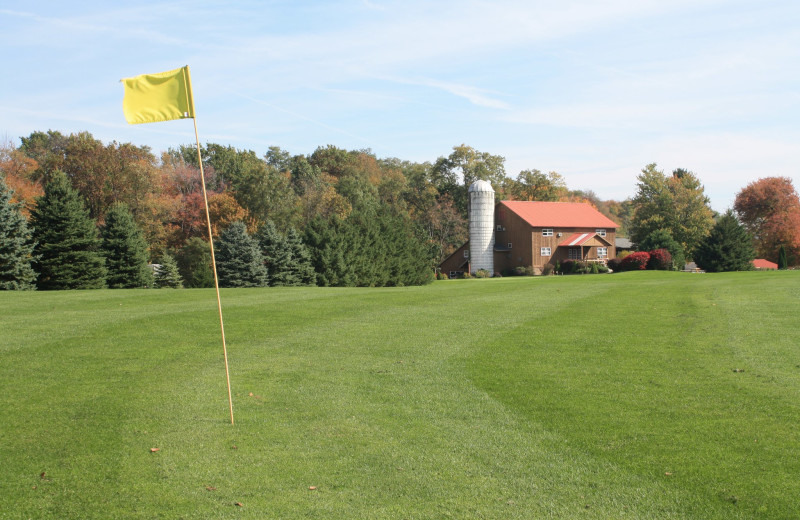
[{"x": 481, "y": 226}]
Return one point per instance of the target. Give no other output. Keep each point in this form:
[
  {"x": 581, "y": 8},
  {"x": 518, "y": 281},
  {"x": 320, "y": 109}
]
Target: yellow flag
[{"x": 164, "y": 96}]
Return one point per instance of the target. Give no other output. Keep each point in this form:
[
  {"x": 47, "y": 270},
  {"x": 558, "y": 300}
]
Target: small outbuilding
[{"x": 762, "y": 264}]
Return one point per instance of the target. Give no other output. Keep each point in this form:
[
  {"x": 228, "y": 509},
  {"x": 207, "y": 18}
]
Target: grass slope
[{"x": 638, "y": 395}]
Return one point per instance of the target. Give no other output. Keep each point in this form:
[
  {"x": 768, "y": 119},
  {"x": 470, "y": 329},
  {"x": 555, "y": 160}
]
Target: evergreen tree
[
  {"x": 125, "y": 250},
  {"x": 327, "y": 247},
  {"x": 68, "y": 247},
  {"x": 239, "y": 260},
  {"x": 371, "y": 248},
  {"x": 194, "y": 262},
  {"x": 303, "y": 271},
  {"x": 16, "y": 245},
  {"x": 167, "y": 274},
  {"x": 276, "y": 254},
  {"x": 729, "y": 247},
  {"x": 782, "y": 261}
]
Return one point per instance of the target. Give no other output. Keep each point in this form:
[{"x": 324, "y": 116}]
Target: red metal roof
[
  {"x": 559, "y": 214},
  {"x": 577, "y": 239},
  {"x": 760, "y": 263}
]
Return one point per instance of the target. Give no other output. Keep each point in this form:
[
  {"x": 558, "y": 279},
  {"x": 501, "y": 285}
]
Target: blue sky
[{"x": 592, "y": 90}]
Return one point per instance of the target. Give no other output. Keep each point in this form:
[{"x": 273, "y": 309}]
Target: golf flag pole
[{"x": 150, "y": 98}]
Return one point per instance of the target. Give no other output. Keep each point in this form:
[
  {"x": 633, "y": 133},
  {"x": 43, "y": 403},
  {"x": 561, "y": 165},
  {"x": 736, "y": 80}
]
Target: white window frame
[
  {"x": 466, "y": 253},
  {"x": 601, "y": 232},
  {"x": 509, "y": 245},
  {"x": 545, "y": 251},
  {"x": 602, "y": 252},
  {"x": 547, "y": 232}
]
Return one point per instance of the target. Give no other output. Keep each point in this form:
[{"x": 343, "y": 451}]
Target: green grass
[{"x": 635, "y": 395}]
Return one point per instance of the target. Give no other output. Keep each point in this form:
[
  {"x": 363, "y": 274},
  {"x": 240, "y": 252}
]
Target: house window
[
  {"x": 545, "y": 251},
  {"x": 547, "y": 232},
  {"x": 574, "y": 253},
  {"x": 466, "y": 253},
  {"x": 601, "y": 232},
  {"x": 602, "y": 252},
  {"x": 499, "y": 227},
  {"x": 509, "y": 245}
]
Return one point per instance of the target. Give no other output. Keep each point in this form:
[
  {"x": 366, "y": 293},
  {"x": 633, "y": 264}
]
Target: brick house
[{"x": 535, "y": 234}]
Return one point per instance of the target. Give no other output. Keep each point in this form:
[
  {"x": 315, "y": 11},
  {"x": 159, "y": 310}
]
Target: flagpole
[
  {"x": 213, "y": 265},
  {"x": 150, "y": 98}
]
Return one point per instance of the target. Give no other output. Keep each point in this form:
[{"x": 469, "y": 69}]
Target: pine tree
[
  {"x": 125, "y": 250},
  {"x": 194, "y": 262},
  {"x": 167, "y": 274},
  {"x": 302, "y": 270},
  {"x": 782, "y": 261},
  {"x": 729, "y": 247},
  {"x": 16, "y": 245},
  {"x": 68, "y": 247},
  {"x": 239, "y": 259},
  {"x": 328, "y": 250},
  {"x": 276, "y": 254}
]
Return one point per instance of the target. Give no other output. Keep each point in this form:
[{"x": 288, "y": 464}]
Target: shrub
[
  {"x": 465, "y": 275},
  {"x": 523, "y": 271},
  {"x": 497, "y": 275},
  {"x": 547, "y": 269},
  {"x": 660, "y": 260},
  {"x": 594, "y": 269},
  {"x": 482, "y": 273},
  {"x": 614, "y": 264},
  {"x": 622, "y": 254},
  {"x": 635, "y": 261},
  {"x": 568, "y": 266},
  {"x": 601, "y": 268},
  {"x": 441, "y": 276},
  {"x": 662, "y": 239}
]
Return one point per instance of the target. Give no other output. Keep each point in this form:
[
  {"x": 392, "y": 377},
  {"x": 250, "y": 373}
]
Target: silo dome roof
[{"x": 481, "y": 186}]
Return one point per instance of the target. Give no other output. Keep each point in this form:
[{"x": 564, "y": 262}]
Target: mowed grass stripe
[
  {"x": 481, "y": 398},
  {"x": 658, "y": 385}
]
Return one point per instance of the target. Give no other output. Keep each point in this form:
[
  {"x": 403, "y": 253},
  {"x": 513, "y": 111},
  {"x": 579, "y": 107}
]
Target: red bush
[
  {"x": 635, "y": 261},
  {"x": 660, "y": 260}
]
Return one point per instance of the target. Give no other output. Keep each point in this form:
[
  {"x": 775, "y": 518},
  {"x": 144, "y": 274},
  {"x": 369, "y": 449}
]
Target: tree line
[
  {"x": 672, "y": 212},
  {"x": 78, "y": 213}
]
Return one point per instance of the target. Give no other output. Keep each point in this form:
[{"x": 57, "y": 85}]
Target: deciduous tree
[
  {"x": 677, "y": 204},
  {"x": 535, "y": 185},
  {"x": 455, "y": 173},
  {"x": 769, "y": 208}
]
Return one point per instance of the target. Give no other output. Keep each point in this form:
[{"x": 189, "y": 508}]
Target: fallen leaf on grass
[
  {"x": 153, "y": 450},
  {"x": 238, "y": 504},
  {"x": 312, "y": 488},
  {"x": 667, "y": 473},
  {"x": 210, "y": 488}
]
